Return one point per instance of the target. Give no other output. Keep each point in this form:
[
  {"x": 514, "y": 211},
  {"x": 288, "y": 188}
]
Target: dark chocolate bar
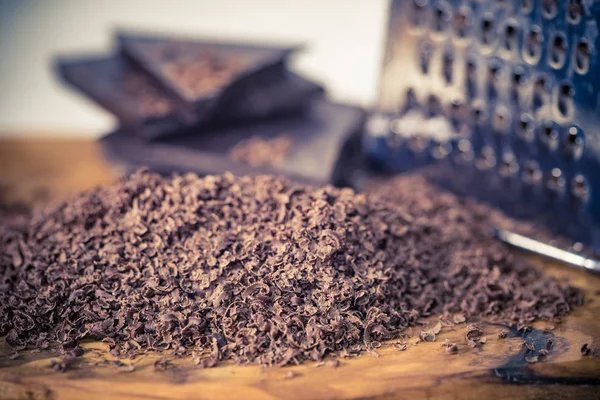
[
  {"x": 126, "y": 92},
  {"x": 200, "y": 72},
  {"x": 264, "y": 97},
  {"x": 144, "y": 109},
  {"x": 320, "y": 142}
]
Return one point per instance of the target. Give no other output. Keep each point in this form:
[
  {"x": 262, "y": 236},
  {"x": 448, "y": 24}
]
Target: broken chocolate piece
[{"x": 452, "y": 349}]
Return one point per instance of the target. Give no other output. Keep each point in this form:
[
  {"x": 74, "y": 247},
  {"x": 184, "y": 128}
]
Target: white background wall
[{"x": 344, "y": 37}]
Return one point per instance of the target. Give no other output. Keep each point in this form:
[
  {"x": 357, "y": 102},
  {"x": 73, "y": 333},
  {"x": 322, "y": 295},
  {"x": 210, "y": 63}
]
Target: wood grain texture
[{"x": 495, "y": 370}]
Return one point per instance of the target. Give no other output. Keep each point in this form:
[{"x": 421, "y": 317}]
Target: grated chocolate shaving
[
  {"x": 589, "y": 351},
  {"x": 503, "y": 334},
  {"x": 254, "y": 270},
  {"x": 452, "y": 348}
]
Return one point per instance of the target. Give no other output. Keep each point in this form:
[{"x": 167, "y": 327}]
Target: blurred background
[{"x": 344, "y": 48}]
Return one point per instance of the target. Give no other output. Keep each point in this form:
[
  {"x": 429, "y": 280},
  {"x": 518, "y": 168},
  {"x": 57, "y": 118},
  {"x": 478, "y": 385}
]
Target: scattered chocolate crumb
[
  {"x": 64, "y": 363},
  {"x": 549, "y": 328},
  {"x": 76, "y": 352},
  {"x": 472, "y": 334},
  {"x": 523, "y": 328},
  {"x": 585, "y": 349},
  {"x": 503, "y": 334},
  {"x": 123, "y": 367},
  {"x": 459, "y": 318},
  {"x": 290, "y": 375},
  {"x": 483, "y": 340},
  {"x": 427, "y": 336},
  {"x": 401, "y": 346},
  {"x": 452, "y": 349},
  {"x": 161, "y": 364},
  {"x": 415, "y": 342},
  {"x": 530, "y": 345},
  {"x": 543, "y": 352},
  {"x": 254, "y": 270},
  {"x": 334, "y": 363},
  {"x": 550, "y": 343},
  {"x": 373, "y": 353}
]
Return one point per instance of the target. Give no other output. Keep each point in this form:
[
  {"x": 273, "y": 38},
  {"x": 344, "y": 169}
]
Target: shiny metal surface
[
  {"x": 519, "y": 83},
  {"x": 543, "y": 249}
]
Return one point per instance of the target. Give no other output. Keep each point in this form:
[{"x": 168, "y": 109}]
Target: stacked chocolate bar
[{"x": 210, "y": 107}]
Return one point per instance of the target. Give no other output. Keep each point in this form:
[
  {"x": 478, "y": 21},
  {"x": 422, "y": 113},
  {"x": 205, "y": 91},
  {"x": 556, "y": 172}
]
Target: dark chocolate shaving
[
  {"x": 588, "y": 351},
  {"x": 472, "y": 335},
  {"x": 123, "y": 367},
  {"x": 161, "y": 364},
  {"x": 452, "y": 349},
  {"x": 254, "y": 270}
]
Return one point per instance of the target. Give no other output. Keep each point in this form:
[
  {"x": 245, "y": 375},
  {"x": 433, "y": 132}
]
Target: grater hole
[
  {"x": 511, "y": 36},
  {"x": 487, "y": 29},
  {"x": 575, "y": 11},
  {"x": 519, "y": 80},
  {"x": 526, "y": 6},
  {"x": 464, "y": 152},
  {"x": 419, "y": 13},
  {"x": 549, "y": 8},
  {"x": 556, "y": 181},
  {"x": 470, "y": 84},
  {"x": 441, "y": 17},
  {"x": 549, "y": 135},
  {"x": 471, "y": 66},
  {"x": 410, "y": 102},
  {"x": 501, "y": 120},
  {"x": 486, "y": 159},
  {"x": 479, "y": 114},
  {"x": 509, "y": 166},
  {"x": 440, "y": 150},
  {"x": 558, "y": 51},
  {"x": 417, "y": 143},
  {"x": 526, "y": 128},
  {"x": 532, "y": 48},
  {"x": 495, "y": 73},
  {"x": 532, "y": 174},
  {"x": 425, "y": 53},
  {"x": 580, "y": 188},
  {"x": 495, "y": 70},
  {"x": 519, "y": 76},
  {"x": 566, "y": 94},
  {"x": 448, "y": 64},
  {"x": 574, "y": 143},
  {"x": 540, "y": 90},
  {"x": 583, "y": 55},
  {"x": 462, "y": 22},
  {"x": 394, "y": 140},
  {"x": 434, "y": 106},
  {"x": 457, "y": 110}
]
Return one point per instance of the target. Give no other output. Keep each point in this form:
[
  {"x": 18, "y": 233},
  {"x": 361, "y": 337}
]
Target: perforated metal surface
[{"x": 518, "y": 82}]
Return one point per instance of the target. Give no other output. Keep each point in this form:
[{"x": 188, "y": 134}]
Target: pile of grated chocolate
[{"x": 255, "y": 269}]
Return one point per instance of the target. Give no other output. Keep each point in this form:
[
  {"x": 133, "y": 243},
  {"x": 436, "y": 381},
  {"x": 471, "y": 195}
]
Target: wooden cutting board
[{"x": 42, "y": 169}]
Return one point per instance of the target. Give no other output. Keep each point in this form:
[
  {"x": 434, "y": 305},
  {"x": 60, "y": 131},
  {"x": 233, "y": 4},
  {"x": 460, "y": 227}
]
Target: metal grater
[{"x": 498, "y": 99}]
